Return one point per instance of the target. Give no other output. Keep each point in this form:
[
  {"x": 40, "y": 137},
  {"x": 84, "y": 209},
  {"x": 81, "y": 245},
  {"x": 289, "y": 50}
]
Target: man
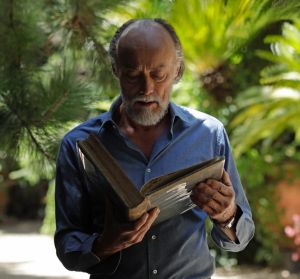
[{"x": 149, "y": 136}]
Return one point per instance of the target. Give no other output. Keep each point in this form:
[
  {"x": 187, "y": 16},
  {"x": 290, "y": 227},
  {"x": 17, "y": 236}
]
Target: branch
[
  {"x": 27, "y": 127},
  {"x": 77, "y": 22},
  {"x": 38, "y": 145},
  {"x": 54, "y": 107},
  {"x": 16, "y": 62}
]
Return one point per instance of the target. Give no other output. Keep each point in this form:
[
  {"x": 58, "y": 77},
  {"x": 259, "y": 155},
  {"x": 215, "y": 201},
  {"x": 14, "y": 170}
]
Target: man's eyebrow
[{"x": 158, "y": 67}]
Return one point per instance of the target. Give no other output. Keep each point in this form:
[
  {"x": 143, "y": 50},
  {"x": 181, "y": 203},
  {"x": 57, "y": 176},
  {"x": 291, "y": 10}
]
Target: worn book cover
[{"x": 170, "y": 192}]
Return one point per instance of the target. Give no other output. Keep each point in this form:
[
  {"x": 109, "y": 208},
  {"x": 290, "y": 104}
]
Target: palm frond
[
  {"x": 265, "y": 112},
  {"x": 218, "y": 29}
]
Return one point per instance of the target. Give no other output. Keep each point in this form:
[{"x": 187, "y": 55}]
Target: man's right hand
[{"x": 118, "y": 236}]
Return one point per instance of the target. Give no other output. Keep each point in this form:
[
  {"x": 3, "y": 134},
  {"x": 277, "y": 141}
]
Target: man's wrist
[
  {"x": 99, "y": 250},
  {"x": 230, "y": 222}
]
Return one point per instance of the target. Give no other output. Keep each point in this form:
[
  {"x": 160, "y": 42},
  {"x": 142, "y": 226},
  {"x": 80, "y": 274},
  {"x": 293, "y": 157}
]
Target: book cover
[{"x": 170, "y": 192}]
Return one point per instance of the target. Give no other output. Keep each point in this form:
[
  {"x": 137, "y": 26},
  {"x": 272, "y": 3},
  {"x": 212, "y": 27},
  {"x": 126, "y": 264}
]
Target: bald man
[{"x": 149, "y": 136}]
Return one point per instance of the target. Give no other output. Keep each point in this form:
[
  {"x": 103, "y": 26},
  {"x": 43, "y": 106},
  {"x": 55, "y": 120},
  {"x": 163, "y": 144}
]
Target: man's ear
[
  {"x": 179, "y": 71},
  {"x": 114, "y": 69}
]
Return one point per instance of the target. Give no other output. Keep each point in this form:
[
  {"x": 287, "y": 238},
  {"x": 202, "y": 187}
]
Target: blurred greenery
[
  {"x": 266, "y": 112},
  {"x": 242, "y": 66}
]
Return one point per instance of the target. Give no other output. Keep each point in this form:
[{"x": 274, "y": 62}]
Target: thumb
[{"x": 225, "y": 178}]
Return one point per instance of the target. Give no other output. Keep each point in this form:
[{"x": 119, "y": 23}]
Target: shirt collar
[
  {"x": 177, "y": 113},
  {"x": 107, "y": 117}
]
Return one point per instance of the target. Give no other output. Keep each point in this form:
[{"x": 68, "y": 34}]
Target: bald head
[
  {"x": 144, "y": 40},
  {"x": 143, "y": 35}
]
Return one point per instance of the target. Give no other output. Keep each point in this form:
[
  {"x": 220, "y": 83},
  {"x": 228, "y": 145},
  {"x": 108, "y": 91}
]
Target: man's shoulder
[
  {"x": 194, "y": 116},
  {"x": 82, "y": 130}
]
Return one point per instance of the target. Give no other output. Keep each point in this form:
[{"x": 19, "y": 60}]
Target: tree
[
  {"x": 54, "y": 72},
  {"x": 54, "y": 65}
]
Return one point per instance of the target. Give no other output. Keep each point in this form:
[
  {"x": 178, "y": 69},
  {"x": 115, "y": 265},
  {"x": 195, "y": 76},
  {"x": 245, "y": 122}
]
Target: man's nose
[{"x": 148, "y": 85}]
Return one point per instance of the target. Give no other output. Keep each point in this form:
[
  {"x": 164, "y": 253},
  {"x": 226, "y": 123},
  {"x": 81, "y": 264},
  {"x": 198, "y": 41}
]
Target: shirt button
[
  {"x": 154, "y": 271},
  {"x": 148, "y": 170},
  {"x": 153, "y": 237}
]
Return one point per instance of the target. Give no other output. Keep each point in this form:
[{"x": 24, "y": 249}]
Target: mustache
[{"x": 146, "y": 99}]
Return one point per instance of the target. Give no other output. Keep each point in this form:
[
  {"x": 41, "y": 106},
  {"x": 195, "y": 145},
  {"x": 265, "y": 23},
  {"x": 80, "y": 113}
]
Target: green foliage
[
  {"x": 188, "y": 93},
  {"x": 53, "y": 66},
  {"x": 49, "y": 220},
  {"x": 217, "y": 30},
  {"x": 143, "y": 9},
  {"x": 266, "y": 112},
  {"x": 259, "y": 178}
]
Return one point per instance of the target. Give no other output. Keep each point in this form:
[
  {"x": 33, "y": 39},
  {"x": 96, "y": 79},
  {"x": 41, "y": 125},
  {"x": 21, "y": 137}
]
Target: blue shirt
[{"x": 176, "y": 248}]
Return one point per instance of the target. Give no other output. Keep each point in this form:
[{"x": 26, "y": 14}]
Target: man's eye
[
  {"x": 159, "y": 77},
  {"x": 132, "y": 75}
]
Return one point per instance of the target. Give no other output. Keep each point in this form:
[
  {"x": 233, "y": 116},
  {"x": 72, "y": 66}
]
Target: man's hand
[
  {"x": 216, "y": 198},
  {"x": 118, "y": 236}
]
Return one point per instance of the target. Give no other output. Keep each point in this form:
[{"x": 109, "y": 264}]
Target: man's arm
[
  {"x": 118, "y": 236},
  {"x": 226, "y": 204},
  {"x": 74, "y": 237},
  {"x": 217, "y": 199},
  {"x": 78, "y": 247}
]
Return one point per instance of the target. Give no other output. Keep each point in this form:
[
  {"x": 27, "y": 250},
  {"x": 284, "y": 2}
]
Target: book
[{"x": 170, "y": 192}]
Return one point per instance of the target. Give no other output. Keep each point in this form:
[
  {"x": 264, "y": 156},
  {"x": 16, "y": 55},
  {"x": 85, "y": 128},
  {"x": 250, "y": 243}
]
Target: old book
[{"x": 170, "y": 192}]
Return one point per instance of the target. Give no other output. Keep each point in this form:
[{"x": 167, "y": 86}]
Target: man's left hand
[{"x": 216, "y": 198}]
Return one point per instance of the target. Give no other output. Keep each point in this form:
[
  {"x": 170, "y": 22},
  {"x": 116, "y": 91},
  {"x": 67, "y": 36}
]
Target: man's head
[{"x": 147, "y": 59}]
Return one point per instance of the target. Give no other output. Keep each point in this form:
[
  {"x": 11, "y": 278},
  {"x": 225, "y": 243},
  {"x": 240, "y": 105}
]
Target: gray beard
[{"x": 146, "y": 116}]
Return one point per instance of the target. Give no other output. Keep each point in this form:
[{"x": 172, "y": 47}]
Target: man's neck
[{"x": 143, "y": 136}]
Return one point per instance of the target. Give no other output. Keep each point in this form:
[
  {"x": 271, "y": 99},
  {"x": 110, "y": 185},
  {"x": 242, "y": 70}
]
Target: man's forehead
[
  {"x": 129, "y": 67},
  {"x": 144, "y": 32}
]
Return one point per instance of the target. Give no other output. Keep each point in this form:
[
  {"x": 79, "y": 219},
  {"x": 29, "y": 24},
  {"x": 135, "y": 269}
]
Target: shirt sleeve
[
  {"x": 245, "y": 226},
  {"x": 74, "y": 236}
]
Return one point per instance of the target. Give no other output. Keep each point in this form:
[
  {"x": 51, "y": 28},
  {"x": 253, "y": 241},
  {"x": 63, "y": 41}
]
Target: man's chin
[{"x": 148, "y": 118}]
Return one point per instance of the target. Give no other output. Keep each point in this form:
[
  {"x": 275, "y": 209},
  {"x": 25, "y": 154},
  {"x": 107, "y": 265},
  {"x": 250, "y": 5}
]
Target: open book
[{"x": 170, "y": 192}]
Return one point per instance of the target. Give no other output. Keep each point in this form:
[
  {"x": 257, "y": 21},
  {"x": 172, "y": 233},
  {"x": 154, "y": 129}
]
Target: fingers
[
  {"x": 140, "y": 233},
  {"x": 209, "y": 200},
  {"x": 215, "y": 197},
  {"x": 134, "y": 232},
  {"x": 205, "y": 193},
  {"x": 147, "y": 218},
  {"x": 223, "y": 189},
  {"x": 117, "y": 237}
]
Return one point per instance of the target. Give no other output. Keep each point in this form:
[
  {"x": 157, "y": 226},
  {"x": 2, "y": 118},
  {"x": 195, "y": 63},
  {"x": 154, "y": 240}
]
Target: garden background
[{"x": 242, "y": 66}]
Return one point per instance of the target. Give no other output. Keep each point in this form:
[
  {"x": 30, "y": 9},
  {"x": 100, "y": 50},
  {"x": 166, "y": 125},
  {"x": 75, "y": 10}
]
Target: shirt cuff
[
  {"x": 106, "y": 266},
  {"x": 244, "y": 233}
]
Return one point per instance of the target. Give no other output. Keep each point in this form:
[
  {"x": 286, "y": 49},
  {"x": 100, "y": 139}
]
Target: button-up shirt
[{"x": 176, "y": 248}]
